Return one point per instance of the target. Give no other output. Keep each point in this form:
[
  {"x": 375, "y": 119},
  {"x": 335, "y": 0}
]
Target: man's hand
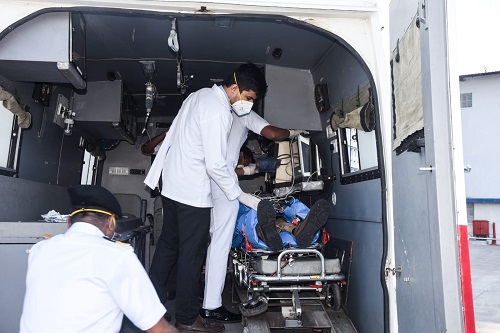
[
  {"x": 162, "y": 327},
  {"x": 249, "y": 200},
  {"x": 250, "y": 169},
  {"x": 294, "y": 133}
]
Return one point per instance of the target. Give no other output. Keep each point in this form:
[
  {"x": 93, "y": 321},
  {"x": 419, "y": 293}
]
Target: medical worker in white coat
[
  {"x": 225, "y": 211},
  {"x": 193, "y": 152}
]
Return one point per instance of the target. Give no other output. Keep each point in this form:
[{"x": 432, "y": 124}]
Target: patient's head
[{"x": 246, "y": 156}]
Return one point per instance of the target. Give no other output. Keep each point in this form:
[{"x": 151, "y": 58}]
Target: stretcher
[{"x": 281, "y": 287}]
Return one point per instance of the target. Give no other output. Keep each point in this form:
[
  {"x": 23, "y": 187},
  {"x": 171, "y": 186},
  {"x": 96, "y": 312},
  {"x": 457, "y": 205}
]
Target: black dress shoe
[
  {"x": 220, "y": 314},
  {"x": 201, "y": 325}
]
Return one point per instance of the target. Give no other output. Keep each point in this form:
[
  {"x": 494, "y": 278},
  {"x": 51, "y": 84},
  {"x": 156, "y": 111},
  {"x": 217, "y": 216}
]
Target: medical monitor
[
  {"x": 299, "y": 161},
  {"x": 309, "y": 162},
  {"x": 304, "y": 156}
]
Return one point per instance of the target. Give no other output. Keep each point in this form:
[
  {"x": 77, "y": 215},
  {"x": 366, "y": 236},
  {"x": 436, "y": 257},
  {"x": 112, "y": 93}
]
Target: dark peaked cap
[{"x": 94, "y": 196}]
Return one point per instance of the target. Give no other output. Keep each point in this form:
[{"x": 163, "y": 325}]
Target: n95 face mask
[{"x": 242, "y": 108}]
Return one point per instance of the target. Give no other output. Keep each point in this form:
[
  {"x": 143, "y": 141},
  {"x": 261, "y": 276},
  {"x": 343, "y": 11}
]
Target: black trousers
[
  {"x": 183, "y": 242},
  {"x": 171, "y": 285}
]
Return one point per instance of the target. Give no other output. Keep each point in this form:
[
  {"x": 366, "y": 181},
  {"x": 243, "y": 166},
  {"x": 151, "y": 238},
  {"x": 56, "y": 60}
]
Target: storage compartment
[
  {"x": 47, "y": 48},
  {"x": 104, "y": 111}
]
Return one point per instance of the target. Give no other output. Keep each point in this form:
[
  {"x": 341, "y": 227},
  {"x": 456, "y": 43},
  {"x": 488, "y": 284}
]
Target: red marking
[
  {"x": 465, "y": 279},
  {"x": 326, "y": 235},
  {"x": 315, "y": 286},
  {"x": 494, "y": 242},
  {"x": 248, "y": 246}
]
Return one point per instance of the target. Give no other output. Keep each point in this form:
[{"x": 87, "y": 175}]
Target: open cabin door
[{"x": 427, "y": 168}]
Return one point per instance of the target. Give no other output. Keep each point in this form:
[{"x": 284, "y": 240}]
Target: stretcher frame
[{"x": 294, "y": 293}]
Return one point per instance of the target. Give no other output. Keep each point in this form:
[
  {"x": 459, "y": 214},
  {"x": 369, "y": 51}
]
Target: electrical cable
[{"x": 312, "y": 174}]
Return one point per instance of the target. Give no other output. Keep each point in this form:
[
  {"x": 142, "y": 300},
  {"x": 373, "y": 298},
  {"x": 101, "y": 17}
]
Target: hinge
[
  {"x": 422, "y": 13},
  {"x": 394, "y": 270}
]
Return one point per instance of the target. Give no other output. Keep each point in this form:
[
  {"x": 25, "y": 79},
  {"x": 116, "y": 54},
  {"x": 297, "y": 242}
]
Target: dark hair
[
  {"x": 247, "y": 152},
  {"x": 249, "y": 77},
  {"x": 95, "y": 218}
]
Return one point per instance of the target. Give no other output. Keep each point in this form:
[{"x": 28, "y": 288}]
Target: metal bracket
[
  {"x": 422, "y": 13},
  {"x": 63, "y": 116},
  {"x": 416, "y": 145},
  {"x": 296, "y": 303},
  {"x": 429, "y": 168},
  {"x": 394, "y": 270}
]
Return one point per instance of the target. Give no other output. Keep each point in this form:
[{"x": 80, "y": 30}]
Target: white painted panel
[
  {"x": 6, "y": 118},
  {"x": 481, "y": 149}
]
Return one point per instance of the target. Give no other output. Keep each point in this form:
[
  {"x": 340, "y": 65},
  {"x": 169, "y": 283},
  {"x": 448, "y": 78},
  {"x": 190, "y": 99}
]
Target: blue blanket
[{"x": 247, "y": 220}]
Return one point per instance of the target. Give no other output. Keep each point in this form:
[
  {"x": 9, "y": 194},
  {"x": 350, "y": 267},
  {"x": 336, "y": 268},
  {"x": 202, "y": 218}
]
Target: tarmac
[{"x": 485, "y": 267}]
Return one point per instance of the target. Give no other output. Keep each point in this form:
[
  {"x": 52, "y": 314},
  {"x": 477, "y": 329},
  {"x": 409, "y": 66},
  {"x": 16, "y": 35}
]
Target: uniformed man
[{"x": 82, "y": 281}]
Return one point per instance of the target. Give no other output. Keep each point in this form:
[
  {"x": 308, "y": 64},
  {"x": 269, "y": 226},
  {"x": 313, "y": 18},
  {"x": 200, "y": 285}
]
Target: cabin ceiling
[
  {"x": 210, "y": 48},
  {"x": 110, "y": 45}
]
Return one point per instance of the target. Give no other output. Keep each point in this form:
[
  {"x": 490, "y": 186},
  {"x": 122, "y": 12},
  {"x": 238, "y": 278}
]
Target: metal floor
[{"x": 339, "y": 320}]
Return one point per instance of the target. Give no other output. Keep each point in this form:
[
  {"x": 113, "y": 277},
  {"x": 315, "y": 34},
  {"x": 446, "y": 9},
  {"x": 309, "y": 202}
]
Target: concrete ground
[{"x": 485, "y": 266}]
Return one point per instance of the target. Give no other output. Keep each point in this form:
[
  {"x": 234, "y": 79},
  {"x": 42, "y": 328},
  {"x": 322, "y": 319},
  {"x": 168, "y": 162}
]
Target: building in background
[{"x": 480, "y": 104}]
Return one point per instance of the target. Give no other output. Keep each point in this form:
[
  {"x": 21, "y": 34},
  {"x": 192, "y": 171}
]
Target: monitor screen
[
  {"x": 299, "y": 161},
  {"x": 309, "y": 161},
  {"x": 304, "y": 155}
]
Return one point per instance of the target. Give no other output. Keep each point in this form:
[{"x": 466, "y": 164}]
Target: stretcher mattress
[{"x": 302, "y": 266}]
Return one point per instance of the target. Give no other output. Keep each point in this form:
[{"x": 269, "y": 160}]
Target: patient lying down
[{"x": 274, "y": 228}]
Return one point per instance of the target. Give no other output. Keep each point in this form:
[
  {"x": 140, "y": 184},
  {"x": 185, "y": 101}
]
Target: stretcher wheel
[
  {"x": 255, "y": 307},
  {"x": 334, "y": 297}
]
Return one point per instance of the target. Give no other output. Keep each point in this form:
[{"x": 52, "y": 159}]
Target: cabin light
[
  {"x": 224, "y": 22},
  {"x": 111, "y": 76},
  {"x": 277, "y": 53},
  {"x": 149, "y": 68},
  {"x": 71, "y": 74}
]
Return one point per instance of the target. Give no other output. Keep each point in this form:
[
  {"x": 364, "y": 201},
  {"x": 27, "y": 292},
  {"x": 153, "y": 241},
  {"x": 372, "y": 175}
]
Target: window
[
  {"x": 88, "y": 169},
  {"x": 9, "y": 142},
  {"x": 358, "y": 150},
  {"x": 466, "y": 100}
]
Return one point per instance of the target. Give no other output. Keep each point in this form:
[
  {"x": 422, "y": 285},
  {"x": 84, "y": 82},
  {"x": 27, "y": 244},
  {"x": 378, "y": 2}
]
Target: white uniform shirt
[
  {"x": 237, "y": 136},
  {"x": 239, "y": 132},
  {"x": 197, "y": 150},
  {"x": 81, "y": 282}
]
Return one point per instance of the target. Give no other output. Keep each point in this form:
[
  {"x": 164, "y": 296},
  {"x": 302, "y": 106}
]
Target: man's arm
[
  {"x": 162, "y": 327},
  {"x": 275, "y": 133},
  {"x": 149, "y": 147},
  {"x": 239, "y": 172},
  {"x": 214, "y": 131},
  {"x": 247, "y": 170}
]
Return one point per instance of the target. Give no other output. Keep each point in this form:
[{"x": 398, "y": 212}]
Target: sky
[{"x": 478, "y": 27}]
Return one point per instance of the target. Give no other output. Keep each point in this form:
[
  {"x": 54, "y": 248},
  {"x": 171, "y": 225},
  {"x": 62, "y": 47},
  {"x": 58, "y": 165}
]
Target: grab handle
[{"x": 309, "y": 251}]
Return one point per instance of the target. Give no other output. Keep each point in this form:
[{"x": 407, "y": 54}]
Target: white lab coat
[
  {"x": 81, "y": 282},
  {"x": 195, "y": 149},
  {"x": 225, "y": 211}
]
